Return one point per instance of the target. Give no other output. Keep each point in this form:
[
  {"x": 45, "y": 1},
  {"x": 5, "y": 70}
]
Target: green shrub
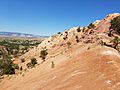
[
  {"x": 64, "y": 38},
  {"x": 59, "y": 33},
  {"x": 9, "y": 70},
  {"x": 116, "y": 41},
  {"x": 115, "y": 24},
  {"x": 83, "y": 29},
  {"x": 33, "y": 61},
  {"x": 78, "y": 30},
  {"x": 6, "y": 67},
  {"x": 77, "y": 39},
  {"x": 91, "y": 25},
  {"x": 15, "y": 66},
  {"x": 29, "y": 65},
  {"x": 43, "y": 54},
  {"x": 66, "y": 32}
]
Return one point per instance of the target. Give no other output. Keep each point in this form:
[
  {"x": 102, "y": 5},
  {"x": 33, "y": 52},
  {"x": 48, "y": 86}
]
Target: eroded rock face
[
  {"x": 101, "y": 27},
  {"x": 85, "y": 65}
]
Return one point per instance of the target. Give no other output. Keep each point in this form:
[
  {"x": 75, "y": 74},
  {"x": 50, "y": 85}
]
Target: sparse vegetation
[
  {"x": 17, "y": 47},
  {"x": 83, "y": 29},
  {"x": 77, "y": 39},
  {"x": 14, "y": 47},
  {"x": 59, "y": 33},
  {"x": 43, "y": 54},
  {"x": 116, "y": 41},
  {"x": 115, "y": 24},
  {"x": 32, "y": 63},
  {"x": 29, "y": 65},
  {"x": 101, "y": 42},
  {"x": 78, "y": 30},
  {"x": 91, "y": 25},
  {"x": 15, "y": 66},
  {"x": 7, "y": 67},
  {"x": 66, "y": 36},
  {"x": 69, "y": 44},
  {"x": 66, "y": 32}
]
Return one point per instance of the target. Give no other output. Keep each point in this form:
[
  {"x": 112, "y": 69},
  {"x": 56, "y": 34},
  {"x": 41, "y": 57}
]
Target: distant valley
[{"x": 16, "y": 34}]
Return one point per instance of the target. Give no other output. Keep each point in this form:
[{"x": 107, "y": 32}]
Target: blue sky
[{"x": 46, "y": 17}]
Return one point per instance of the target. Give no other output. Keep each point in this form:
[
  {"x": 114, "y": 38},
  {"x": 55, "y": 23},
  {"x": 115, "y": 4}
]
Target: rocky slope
[{"x": 76, "y": 60}]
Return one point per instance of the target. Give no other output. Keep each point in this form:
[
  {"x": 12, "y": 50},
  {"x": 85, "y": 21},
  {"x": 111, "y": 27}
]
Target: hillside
[{"x": 80, "y": 58}]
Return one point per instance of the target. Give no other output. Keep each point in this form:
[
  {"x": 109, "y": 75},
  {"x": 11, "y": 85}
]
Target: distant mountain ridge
[{"x": 17, "y": 34}]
